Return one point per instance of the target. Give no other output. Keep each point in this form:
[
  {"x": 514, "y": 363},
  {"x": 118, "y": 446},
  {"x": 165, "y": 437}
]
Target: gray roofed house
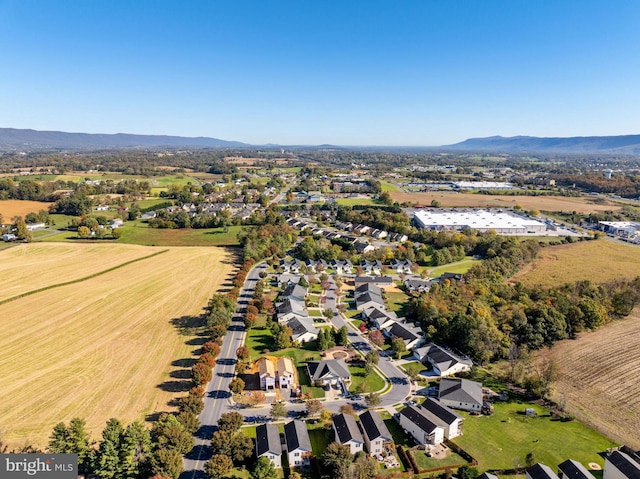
[
  {"x": 443, "y": 361},
  {"x": 377, "y": 437},
  {"x": 445, "y": 417},
  {"x": 294, "y": 291},
  {"x": 367, "y": 300},
  {"x": 379, "y": 316},
  {"x": 268, "y": 444},
  {"x": 461, "y": 394},
  {"x": 367, "y": 288},
  {"x": 571, "y": 469},
  {"x": 411, "y": 335},
  {"x": 362, "y": 247},
  {"x": 422, "y": 429},
  {"x": 302, "y": 329},
  {"x": 540, "y": 471},
  {"x": 381, "y": 281},
  {"x": 620, "y": 465},
  {"x": 487, "y": 475},
  {"x": 417, "y": 285},
  {"x": 328, "y": 371},
  {"x": 289, "y": 308},
  {"x": 401, "y": 265},
  {"x": 347, "y": 432},
  {"x": 298, "y": 443}
]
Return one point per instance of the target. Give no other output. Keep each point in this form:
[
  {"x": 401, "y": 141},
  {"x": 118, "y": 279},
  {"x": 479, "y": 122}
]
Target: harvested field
[
  {"x": 541, "y": 203},
  {"x": 27, "y": 267},
  {"x": 109, "y": 346},
  {"x": 598, "y": 261},
  {"x": 11, "y": 208},
  {"x": 599, "y": 379}
]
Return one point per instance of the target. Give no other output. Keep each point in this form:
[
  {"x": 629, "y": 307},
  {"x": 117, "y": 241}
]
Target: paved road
[{"x": 216, "y": 399}]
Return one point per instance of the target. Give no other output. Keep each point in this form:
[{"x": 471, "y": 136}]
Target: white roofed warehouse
[{"x": 504, "y": 223}]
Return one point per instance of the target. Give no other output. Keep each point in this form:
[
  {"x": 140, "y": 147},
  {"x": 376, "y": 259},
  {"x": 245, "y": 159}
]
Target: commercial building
[{"x": 505, "y": 223}]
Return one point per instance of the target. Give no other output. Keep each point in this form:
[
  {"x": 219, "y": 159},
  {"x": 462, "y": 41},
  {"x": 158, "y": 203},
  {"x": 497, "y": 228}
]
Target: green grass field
[
  {"x": 355, "y": 201},
  {"x": 458, "y": 267},
  {"x": 503, "y": 440},
  {"x": 386, "y": 186},
  {"x": 373, "y": 381},
  {"x": 425, "y": 462},
  {"x": 305, "y": 382},
  {"x": 397, "y": 301}
]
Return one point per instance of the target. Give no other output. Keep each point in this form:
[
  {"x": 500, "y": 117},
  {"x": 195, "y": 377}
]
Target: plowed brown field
[
  {"x": 11, "y": 208},
  {"x": 599, "y": 379},
  {"x": 104, "y": 346}
]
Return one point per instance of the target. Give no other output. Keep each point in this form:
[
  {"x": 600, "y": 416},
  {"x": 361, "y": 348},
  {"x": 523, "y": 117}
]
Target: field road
[{"x": 217, "y": 393}]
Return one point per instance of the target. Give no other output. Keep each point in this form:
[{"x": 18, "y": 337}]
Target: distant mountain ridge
[
  {"x": 624, "y": 144},
  {"x": 12, "y": 138}
]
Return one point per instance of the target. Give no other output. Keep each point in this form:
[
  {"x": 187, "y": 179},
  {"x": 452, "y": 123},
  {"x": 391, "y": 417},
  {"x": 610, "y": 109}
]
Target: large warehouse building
[{"x": 504, "y": 223}]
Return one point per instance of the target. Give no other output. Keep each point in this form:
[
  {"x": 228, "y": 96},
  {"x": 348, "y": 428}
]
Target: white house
[
  {"x": 347, "y": 433},
  {"x": 420, "y": 427},
  {"x": 620, "y": 465},
  {"x": 302, "y": 329},
  {"x": 443, "y": 361},
  {"x": 285, "y": 373},
  {"x": 267, "y": 373},
  {"x": 571, "y": 469},
  {"x": 9, "y": 237},
  {"x": 443, "y": 416},
  {"x": 540, "y": 471},
  {"x": 298, "y": 443},
  {"x": 268, "y": 444},
  {"x": 461, "y": 394},
  {"x": 379, "y": 317},
  {"x": 369, "y": 300},
  {"x": 411, "y": 335},
  {"x": 291, "y": 308},
  {"x": 401, "y": 266},
  {"x": 329, "y": 372},
  {"x": 376, "y": 435}
]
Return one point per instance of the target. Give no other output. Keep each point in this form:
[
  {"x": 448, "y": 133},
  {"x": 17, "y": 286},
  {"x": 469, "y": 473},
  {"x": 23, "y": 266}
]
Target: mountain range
[
  {"x": 28, "y": 140},
  {"x": 625, "y": 144}
]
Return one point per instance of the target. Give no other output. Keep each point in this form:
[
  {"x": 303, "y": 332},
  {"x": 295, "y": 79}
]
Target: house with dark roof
[
  {"x": 298, "y": 444},
  {"x": 443, "y": 416},
  {"x": 620, "y": 465},
  {"x": 347, "y": 433},
  {"x": 371, "y": 267},
  {"x": 268, "y": 444},
  {"x": 571, "y": 469},
  {"x": 411, "y": 335},
  {"x": 367, "y": 288},
  {"x": 401, "y": 265},
  {"x": 422, "y": 429},
  {"x": 362, "y": 247},
  {"x": 540, "y": 471},
  {"x": 291, "y": 266},
  {"x": 368, "y": 300},
  {"x": 487, "y": 475},
  {"x": 461, "y": 394},
  {"x": 293, "y": 291},
  {"x": 443, "y": 361},
  {"x": 342, "y": 266},
  {"x": 377, "y": 438},
  {"x": 302, "y": 329},
  {"x": 329, "y": 372},
  {"x": 379, "y": 317},
  {"x": 415, "y": 285},
  {"x": 289, "y": 309},
  {"x": 451, "y": 277}
]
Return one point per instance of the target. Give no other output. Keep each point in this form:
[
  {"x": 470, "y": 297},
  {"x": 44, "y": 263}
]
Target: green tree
[
  {"x": 83, "y": 232},
  {"x": 372, "y": 357},
  {"x": 108, "y": 463},
  {"x": 385, "y": 197},
  {"x": 372, "y": 399},
  {"x": 236, "y": 385},
  {"x": 169, "y": 433},
  {"x": 278, "y": 410},
  {"x": 264, "y": 469},
  {"x": 314, "y": 407},
  {"x": 364, "y": 467},
  {"x": 230, "y": 421},
  {"x": 218, "y": 466},
  {"x": 337, "y": 458},
  {"x": 167, "y": 462},
  {"x": 342, "y": 337},
  {"x": 22, "y": 232},
  {"x": 398, "y": 346},
  {"x": 135, "y": 451},
  {"x": 466, "y": 472}
]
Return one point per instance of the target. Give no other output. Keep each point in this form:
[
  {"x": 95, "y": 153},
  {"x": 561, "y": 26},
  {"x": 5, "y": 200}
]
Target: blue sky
[{"x": 398, "y": 72}]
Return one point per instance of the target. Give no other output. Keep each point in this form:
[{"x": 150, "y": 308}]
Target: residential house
[
  {"x": 376, "y": 435},
  {"x": 398, "y": 237},
  {"x": 379, "y": 317},
  {"x": 329, "y": 372},
  {"x": 420, "y": 427},
  {"x": 9, "y": 237},
  {"x": 461, "y": 394},
  {"x": 286, "y": 373},
  {"x": 415, "y": 285},
  {"x": 316, "y": 265},
  {"x": 342, "y": 266},
  {"x": 289, "y": 309},
  {"x": 443, "y": 416},
  {"x": 298, "y": 443},
  {"x": 443, "y": 361},
  {"x": 371, "y": 267},
  {"x": 268, "y": 444},
  {"x": 36, "y": 226},
  {"x": 347, "y": 432},
  {"x": 401, "y": 266},
  {"x": 368, "y": 300},
  {"x": 367, "y": 288},
  {"x": 293, "y": 291},
  {"x": 451, "y": 277},
  {"x": 382, "y": 281},
  {"x": 411, "y": 335},
  {"x": 540, "y": 471},
  {"x": 302, "y": 330},
  {"x": 291, "y": 266},
  {"x": 571, "y": 469},
  {"x": 487, "y": 475},
  {"x": 378, "y": 234},
  {"x": 267, "y": 373},
  {"x": 362, "y": 247},
  {"x": 620, "y": 465}
]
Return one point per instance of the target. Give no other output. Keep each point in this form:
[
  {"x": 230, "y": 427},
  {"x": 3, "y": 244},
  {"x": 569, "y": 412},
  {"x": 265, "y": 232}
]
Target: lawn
[
  {"x": 352, "y": 313},
  {"x": 503, "y": 440},
  {"x": 355, "y": 201},
  {"x": 386, "y": 186},
  {"x": 305, "y": 382},
  {"x": 314, "y": 313},
  {"x": 460, "y": 267},
  {"x": 425, "y": 462},
  {"x": 320, "y": 438},
  {"x": 397, "y": 301},
  {"x": 414, "y": 367},
  {"x": 373, "y": 381},
  {"x": 399, "y": 436}
]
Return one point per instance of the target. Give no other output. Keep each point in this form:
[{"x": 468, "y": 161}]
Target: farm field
[
  {"x": 542, "y": 203},
  {"x": 598, "y": 261},
  {"x": 11, "y": 208},
  {"x": 103, "y": 347},
  {"x": 599, "y": 378},
  {"x": 503, "y": 440}
]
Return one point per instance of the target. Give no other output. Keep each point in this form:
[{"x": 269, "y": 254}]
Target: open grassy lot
[
  {"x": 598, "y": 261},
  {"x": 397, "y": 301},
  {"x": 541, "y": 203},
  {"x": 460, "y": 267},
  {"x": 386, "y": 186},
  {"x": 599, "y": 378},
  {"x": 425, "y": 462},
  {"x": 110, "y": 346},
  {"x": 11, "y": 208},
  {"x": 28, "y": 267},
  {"x": 137, "y": 232},
  {"x": 355, "y": 201},
  {"x": 503, "y": 440}
]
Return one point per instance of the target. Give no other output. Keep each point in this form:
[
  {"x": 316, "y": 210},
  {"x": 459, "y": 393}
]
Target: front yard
[{"x": 373, "y": 382}]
